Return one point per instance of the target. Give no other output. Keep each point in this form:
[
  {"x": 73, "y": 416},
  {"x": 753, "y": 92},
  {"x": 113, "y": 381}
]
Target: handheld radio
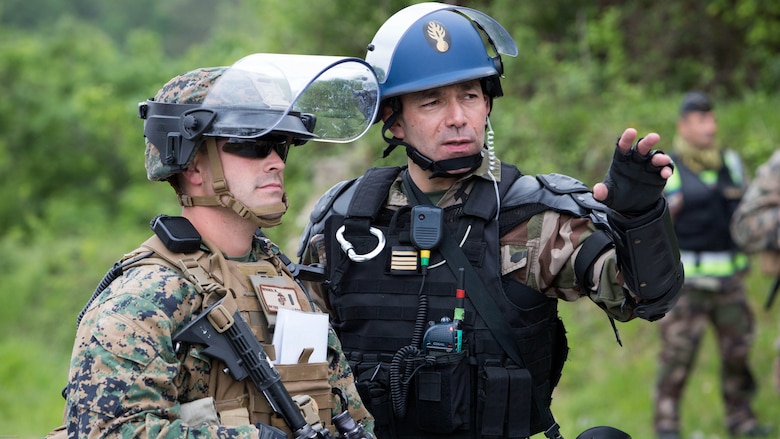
[{"x": 447, "y": 335}]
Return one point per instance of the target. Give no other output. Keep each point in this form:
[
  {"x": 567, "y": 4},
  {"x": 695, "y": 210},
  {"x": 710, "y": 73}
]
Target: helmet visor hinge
[{"x": 193, "y": 123}]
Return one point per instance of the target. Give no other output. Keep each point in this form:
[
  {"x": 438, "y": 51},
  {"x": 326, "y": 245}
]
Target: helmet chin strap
[
  {"x": 441, "y": 168},
  {"x": 263, "y": 216},
  {"x": 444, "y": 168}
]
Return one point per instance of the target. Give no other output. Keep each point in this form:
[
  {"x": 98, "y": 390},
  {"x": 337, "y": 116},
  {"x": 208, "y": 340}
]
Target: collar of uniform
[
  {"x": 397, "y": 198},
  {"x": 263, "y": 248},
  {"x": 485, "y": 169}
]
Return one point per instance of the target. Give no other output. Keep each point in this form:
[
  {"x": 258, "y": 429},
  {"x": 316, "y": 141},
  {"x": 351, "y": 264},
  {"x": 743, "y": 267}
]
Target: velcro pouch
[
  {"x": 443, "y": 394},
  {"x": 310, "y": 379},
  {"x": 506, "y": 397}
]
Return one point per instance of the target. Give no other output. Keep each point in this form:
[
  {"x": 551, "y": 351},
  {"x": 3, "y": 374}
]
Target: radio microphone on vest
[{"x": 426, "y": 227}]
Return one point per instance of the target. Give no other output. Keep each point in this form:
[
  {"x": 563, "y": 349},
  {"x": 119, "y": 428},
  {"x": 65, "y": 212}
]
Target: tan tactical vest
[
  {"x": 256, "y": 289},
  {"x": 251, "y": 288}
]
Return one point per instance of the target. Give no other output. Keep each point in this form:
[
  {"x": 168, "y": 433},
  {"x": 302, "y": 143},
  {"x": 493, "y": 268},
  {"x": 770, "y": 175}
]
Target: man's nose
[
  {"x": 456, "y": 115},
  {"x": 273, "y": 161}
]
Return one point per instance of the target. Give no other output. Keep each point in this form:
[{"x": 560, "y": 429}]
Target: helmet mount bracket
[{"x": 196, "y": 121}]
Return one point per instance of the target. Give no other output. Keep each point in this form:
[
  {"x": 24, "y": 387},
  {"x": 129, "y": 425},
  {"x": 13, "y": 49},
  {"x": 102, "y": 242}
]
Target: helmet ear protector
[
  {"x": 491, "y": 86},
  {"x": 175, "y": 130}
]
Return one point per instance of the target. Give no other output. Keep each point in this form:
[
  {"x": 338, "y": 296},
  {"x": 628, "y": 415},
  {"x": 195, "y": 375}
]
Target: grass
[{"x": 605, "y": 384}]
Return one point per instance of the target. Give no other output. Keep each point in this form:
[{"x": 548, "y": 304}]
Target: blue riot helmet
[
  {"x": 268, "y": 100},
  {"x": 431, "y": 45}
]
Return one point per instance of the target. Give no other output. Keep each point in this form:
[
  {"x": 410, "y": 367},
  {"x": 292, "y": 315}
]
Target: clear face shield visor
[
  {"x": 304, "y": 97},
  {"x": 334, "y": 99}
]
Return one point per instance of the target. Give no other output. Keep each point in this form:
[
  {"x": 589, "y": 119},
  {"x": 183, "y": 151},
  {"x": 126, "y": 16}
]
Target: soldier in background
[
  {"x": 755, "y": 228},
  {"x": 703, "y": 194}
]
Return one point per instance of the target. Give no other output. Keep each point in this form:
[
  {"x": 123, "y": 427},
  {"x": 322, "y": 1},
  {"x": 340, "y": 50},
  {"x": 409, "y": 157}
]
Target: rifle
[{"x": 229, "y": 338}]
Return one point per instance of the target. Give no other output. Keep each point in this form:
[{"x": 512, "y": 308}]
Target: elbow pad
[{"x": 649, "y": 259}]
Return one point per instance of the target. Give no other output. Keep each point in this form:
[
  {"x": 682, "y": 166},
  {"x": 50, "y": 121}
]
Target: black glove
[
  {"x": 268, "y": 432},
  {"x": 634, "y": 183}
]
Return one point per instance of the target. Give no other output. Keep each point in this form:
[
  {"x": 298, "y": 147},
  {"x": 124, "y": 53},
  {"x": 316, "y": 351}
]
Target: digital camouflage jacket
[{"x": 128, "y": 379}]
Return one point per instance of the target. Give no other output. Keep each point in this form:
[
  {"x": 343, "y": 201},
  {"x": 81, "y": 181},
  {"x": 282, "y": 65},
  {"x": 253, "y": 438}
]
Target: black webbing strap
[
  {"x": 364, "y": 207},
  {"x": 491, "y": 314},
  {"x": 365, "y": 203},
  {"x": 594, "y": 246}
]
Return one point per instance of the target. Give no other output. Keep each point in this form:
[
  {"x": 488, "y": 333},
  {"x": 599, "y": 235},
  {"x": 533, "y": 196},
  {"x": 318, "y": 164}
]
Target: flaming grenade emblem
[{"x": 438, "y": 33}]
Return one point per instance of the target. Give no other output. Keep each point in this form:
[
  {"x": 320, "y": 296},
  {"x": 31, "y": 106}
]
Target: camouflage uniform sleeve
[
  {"x": 755, "y": 225},
  {"x": 314, "y": 253},
  {"x": 341, "y": 377},
  {"x": 541, "y": 253},
  {"x": 125, "y": 379}
]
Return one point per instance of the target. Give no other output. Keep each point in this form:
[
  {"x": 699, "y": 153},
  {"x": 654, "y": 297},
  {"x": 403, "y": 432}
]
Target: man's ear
[
  {"x": 395, "y": 129},
  {"x": 194, "y": 172},
  {"x": 386, "y": 112}
]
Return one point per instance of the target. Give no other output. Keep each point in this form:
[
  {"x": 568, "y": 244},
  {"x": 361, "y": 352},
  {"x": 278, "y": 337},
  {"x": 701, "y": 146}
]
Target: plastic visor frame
[{"x": 340, "y": 92}]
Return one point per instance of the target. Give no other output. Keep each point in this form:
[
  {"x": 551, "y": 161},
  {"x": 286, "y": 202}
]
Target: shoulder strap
[
  {"x": 482, "y": 199},
  {"x": 189, "y": 264},
  {"x": 360, "y": 197},
  {"x": 371, "y": 191}
]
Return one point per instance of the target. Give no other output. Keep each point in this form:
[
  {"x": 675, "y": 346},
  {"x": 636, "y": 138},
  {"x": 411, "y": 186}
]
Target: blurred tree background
[{"x": 76, "y": 195}]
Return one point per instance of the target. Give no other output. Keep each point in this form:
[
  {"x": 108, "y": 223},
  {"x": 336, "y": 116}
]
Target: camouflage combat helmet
[{"x": 260, "y": 97}]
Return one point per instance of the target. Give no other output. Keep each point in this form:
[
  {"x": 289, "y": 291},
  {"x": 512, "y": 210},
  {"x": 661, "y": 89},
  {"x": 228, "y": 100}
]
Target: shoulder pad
[
  {"x": 335, "y": 200},
  {"x": 557, "y": 191},
  {"x": 332, "y": 199},
  {"x": 562, "y": 184}
]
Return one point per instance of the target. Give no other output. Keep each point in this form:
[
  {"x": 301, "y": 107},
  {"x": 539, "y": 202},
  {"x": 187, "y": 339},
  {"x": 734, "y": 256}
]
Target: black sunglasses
[{"x": 258, "y": 148}]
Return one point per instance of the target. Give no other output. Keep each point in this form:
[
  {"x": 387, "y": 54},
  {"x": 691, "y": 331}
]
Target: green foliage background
[{"x": 76, "y": 197}]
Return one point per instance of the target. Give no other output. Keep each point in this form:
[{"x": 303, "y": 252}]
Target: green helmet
[{"x": 259, "y": 95}]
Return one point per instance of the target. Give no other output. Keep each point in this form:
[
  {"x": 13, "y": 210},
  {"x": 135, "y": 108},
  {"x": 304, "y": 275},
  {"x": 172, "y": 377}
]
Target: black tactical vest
[
  {"x": 703, "y": 222},
  {"x": 379, "y": 306}
]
